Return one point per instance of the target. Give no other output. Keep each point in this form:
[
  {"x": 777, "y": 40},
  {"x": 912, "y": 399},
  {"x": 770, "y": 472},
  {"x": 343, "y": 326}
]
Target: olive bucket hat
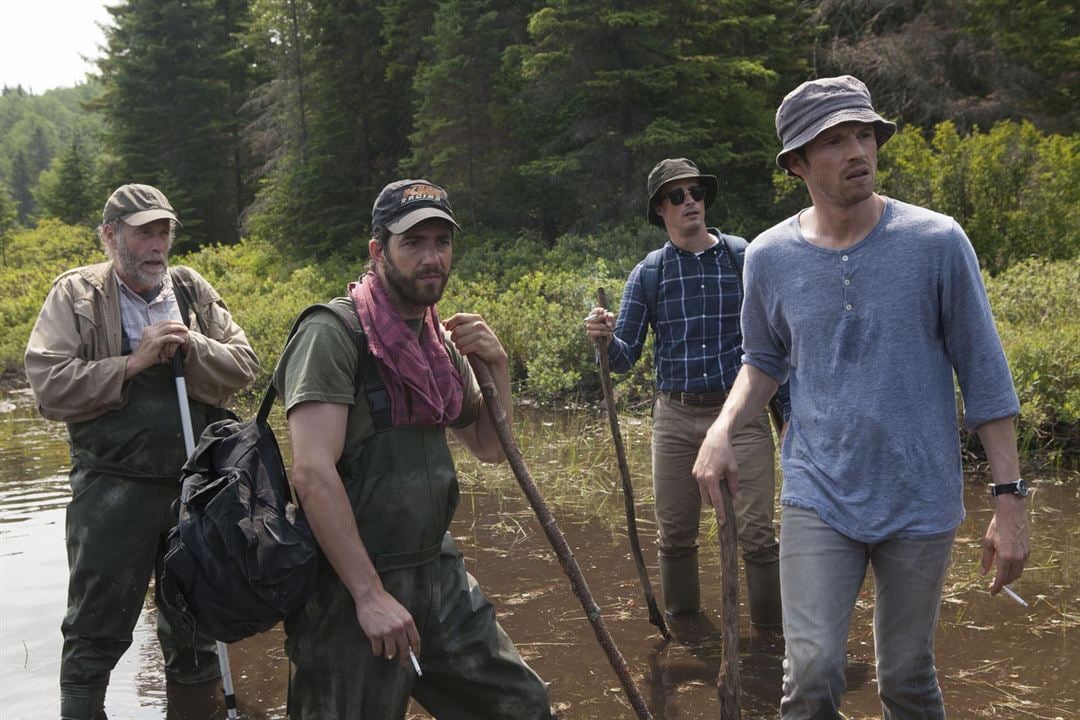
[
  {"x": 137, "y": 205},
  {"x": 676, "y": 169},
  {"x": 817, "y": 105}
]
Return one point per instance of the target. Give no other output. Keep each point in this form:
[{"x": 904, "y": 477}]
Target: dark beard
[{"x": 406, "y": 289}]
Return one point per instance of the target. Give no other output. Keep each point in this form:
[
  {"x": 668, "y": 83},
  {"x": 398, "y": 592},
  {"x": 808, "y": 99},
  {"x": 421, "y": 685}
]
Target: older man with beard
[
  {"x": 374, "y": 474},
  {"x": 868, "y": 306},
  {"x": 97, "y": 359}
]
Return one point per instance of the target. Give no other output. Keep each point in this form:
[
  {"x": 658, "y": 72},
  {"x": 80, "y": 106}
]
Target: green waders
[
  {"x": 124, "y": 478},
  {"x": 403, "y": 490}
]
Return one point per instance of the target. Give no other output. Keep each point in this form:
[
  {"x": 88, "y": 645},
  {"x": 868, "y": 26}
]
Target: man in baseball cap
[
  {"x": 689, "y": 292},
  {"x": 97, "y": 359},
  {"x": 374, "y": 473},
  {"x": 869, "y": 306}
]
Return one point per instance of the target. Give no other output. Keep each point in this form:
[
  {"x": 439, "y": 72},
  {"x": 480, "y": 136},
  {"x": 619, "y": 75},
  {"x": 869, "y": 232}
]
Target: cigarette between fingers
[
  {"x": 1013, "y": 595},
  {"x": 415, "y": 664}
]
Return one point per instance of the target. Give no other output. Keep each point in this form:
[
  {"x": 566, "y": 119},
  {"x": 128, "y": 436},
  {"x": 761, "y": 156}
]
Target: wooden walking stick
[
  {"x": 655, "y": 616},
  {"x": 555, "y": 536},
  {"x": 728, "y": 680}
]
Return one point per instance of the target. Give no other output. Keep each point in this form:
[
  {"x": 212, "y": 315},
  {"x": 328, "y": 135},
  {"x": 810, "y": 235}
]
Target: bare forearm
[
  {"x": 330, "y": 516},
  {"x": 999, "y": 441},
  {"x": 751, "y": 391}
]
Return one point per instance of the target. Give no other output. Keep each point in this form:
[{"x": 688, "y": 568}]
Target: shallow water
[{"x": 995, "y": 658}]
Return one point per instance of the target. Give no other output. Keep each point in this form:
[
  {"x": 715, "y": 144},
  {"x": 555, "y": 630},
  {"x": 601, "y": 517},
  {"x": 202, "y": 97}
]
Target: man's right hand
[
  {"x": 388, "y": 625},
  {"x": 599, "y": 323},
  {"x": 159, "y": 343},
  {"x": 716, "y": 464}
]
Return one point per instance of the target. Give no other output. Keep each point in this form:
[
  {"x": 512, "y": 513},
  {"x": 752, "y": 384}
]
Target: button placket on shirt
[{"x": 846, "y": 286}]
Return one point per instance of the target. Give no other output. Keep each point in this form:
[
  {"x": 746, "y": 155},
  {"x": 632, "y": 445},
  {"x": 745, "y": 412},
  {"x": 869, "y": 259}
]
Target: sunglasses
[{"x": 678, "y": 196}]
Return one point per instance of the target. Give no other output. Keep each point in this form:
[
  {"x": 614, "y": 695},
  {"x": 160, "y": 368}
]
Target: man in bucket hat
[
  {"x": 373, "y": 471},
  {"x": 97, "y": 359},
  {"x": 690, "y": 292},
  {"x": 868, "y": 306}
]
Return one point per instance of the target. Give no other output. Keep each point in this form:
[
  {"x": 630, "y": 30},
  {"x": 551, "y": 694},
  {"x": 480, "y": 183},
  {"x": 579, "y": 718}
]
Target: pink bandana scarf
[{"x": 424, "y": 386}]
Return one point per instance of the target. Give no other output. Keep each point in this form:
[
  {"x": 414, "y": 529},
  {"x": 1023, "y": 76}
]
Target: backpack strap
[
  {"x": 652, "y": 268},
  {"x": 367, "y": 372},
  {"x": 736, "y": 249},
  {"x": 184, "y": 299}
]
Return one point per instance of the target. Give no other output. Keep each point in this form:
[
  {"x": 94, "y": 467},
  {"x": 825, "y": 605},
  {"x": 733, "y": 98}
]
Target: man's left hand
[
  {"x": 472, "y": 336},
  {"x": 1006, "y": 542}
]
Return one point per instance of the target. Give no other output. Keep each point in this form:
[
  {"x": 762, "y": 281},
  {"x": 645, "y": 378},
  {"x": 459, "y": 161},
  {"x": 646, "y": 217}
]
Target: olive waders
[
  {"x": 124, "y": 479},
  {"x": 403, "y": 490}
]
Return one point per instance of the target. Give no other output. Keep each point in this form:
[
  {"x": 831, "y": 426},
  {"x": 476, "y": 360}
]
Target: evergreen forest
[{"x": 272, "y": 124}]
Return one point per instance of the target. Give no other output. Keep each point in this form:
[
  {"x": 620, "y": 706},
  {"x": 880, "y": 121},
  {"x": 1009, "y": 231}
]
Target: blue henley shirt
[{"x": 869, "y": 338}]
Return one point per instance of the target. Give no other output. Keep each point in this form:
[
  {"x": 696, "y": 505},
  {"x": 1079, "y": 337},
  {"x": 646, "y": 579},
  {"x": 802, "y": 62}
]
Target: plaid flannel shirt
[{"x": 697, "y": 346}]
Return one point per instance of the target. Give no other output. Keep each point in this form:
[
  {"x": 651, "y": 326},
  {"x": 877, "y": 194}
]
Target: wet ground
[{"x": 995, "y": 658}]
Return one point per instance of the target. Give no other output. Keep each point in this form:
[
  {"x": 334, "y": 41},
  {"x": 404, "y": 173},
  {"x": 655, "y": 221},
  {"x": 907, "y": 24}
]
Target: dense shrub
[
  {"x": 1037, "y": 308},
  {"x": 537, "y": 311},
  {"x": 34, "y": 258},
  {"x": 1014, "y": 190}
]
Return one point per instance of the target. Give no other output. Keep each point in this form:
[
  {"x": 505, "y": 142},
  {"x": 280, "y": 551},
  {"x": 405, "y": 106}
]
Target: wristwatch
[{"x": 1016, "y": 488}]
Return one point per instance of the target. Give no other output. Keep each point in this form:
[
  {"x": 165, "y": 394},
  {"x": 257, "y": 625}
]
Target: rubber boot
[
  {"x": 680, "y": 585},
  {"x": 763, "y": 593},
  {"x": 682, "y": 600},
  {"x": 82, "y": 704}
]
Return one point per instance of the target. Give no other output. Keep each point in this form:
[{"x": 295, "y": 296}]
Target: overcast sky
[{"x": 41, "y": 41}]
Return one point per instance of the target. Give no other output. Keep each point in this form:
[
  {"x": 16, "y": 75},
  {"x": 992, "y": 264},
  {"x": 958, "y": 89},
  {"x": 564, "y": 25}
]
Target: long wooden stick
[
  {"x": 728, "y": 680},
  {"x": 555, "y": 536},
  {"x": 655, "y": 616}
]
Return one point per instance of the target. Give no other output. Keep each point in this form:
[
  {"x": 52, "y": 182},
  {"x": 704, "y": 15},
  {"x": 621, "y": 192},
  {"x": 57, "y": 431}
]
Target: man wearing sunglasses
[
  {"x": 869, "y": 305},
  {"x": 690, "y": 293}
]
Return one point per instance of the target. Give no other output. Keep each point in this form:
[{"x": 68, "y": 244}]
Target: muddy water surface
[{"x": 995, "y": 658}]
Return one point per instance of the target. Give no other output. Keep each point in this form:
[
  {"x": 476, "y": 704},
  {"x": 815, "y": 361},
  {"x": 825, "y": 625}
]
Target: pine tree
[
  {"x": 21, "y": 183},
  {"x": 613, "y": 86},
  {"x": 359, "y": 99},
  {"x": 174, "y": 79},
  {"x": 69, "y": 193},
  {"x": 8, "y": 214},
  {"x": 459, "y": 138}
]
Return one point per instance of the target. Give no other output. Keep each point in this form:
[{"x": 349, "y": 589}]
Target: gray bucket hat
[
  {"x": 137, "y": 205},
  {"x": 676, "y": 169},
  {"x": 817, "y": 105}
]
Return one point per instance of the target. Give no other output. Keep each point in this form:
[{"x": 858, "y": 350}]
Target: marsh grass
[{"x": 571, "y": 457}]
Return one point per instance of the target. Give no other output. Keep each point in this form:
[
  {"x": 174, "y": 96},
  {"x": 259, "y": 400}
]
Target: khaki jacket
[{"x": 74, "y": 362}]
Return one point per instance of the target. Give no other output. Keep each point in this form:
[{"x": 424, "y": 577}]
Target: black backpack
[{"x": 242, "y": 556}]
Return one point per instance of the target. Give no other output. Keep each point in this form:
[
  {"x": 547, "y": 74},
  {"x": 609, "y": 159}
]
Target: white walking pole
[{"x": 189, "y": 444}]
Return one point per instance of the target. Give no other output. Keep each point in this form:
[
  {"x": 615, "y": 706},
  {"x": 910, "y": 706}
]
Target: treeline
[
  {"x": 282, "y": 118},
  {"x": 271, "y": 125}
]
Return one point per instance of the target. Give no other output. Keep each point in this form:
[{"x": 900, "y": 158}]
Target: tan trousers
[{"x": 677, "y": 433}]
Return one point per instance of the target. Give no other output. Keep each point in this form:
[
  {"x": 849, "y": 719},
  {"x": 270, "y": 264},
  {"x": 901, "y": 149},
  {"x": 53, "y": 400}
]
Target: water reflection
[{"x": 995, "y": 658}]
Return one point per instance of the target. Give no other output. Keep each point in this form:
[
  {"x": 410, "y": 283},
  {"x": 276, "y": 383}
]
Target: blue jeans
[{"x": 821, "y": 573}]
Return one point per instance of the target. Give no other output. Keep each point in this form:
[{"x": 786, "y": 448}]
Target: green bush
[
  {"x": 1014, "y": 190},
  {"x": 265, "y": 292},
  {"x": 537, "y": 312},
  {"x": 34, "y": 258},
  {"x": 1037, "y": 310}
]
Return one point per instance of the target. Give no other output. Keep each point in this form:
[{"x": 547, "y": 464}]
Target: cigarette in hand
[
  {"x": 419, "y": 673},
  {"x": 1013, "y": 595}
]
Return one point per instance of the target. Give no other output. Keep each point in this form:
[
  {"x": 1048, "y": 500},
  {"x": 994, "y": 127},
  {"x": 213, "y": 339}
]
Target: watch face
[{"x": 1021, "y": 488}]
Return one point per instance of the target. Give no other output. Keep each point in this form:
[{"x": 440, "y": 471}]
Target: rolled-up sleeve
[
  {"x": 763, "y": 332},
  {"x": 972, "y": 340}
]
